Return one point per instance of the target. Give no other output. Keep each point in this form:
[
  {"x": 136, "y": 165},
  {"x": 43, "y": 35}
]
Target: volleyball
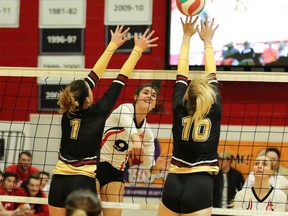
[{"x": 190, "y": 7}]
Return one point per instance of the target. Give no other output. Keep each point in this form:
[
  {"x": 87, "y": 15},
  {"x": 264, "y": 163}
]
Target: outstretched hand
[
  {"x": 117, "y": 36},
  {"x": 146, "y": 41},
  {"x": 207, "y": 31},
  {"x": 162, "y": 162},
  {"x": 189, "y": 26}
]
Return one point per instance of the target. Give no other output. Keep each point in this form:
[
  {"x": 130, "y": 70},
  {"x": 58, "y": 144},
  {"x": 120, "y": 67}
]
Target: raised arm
[
  {"x": 99, "y": 68},
  {"x": 206, "y": 34},
  {"x": 189, "y": 29}
]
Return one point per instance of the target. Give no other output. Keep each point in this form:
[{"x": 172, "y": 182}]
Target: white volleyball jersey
[
  {"x": 277, "y": 181},
  {"x": 247, "y": 199},
  {"x": 116, "y": 142}
]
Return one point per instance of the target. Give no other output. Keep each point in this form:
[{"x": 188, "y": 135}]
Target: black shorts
[
  {"x": 188, "y": 193},
  {"x": 62, "y": 185},
  {"x": 106, "y": 173}
]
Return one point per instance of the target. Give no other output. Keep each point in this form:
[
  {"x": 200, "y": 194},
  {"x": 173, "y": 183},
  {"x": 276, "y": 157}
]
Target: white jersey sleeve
[
  {"x": 247, "y": 199},
  {"x": 149, "y": 147}
]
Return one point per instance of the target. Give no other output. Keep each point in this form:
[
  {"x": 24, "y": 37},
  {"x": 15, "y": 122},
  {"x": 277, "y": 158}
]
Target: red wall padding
[{"x": 244, "y": 103}]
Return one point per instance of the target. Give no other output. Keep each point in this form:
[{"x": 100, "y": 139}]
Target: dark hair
[
  {"x": 33, "y": 176},
  {"x": 28, "y": 153},
  {"x": 80, "y": 90},
  {"x": 83, "y": 200},
  {"x": 153, "y": 86},
  {"x": 9, "y": 174},
  {"x": 73, "y": 96},
  {"x": 43, "y": 173},
  {"x": 273, "y": 149}
]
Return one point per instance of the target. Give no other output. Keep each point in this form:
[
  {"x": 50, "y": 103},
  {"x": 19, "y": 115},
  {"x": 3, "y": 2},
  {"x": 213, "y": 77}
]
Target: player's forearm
[
  {"x": 101, "y": 65},
  {"x": 210, "y": 64},
  {"x": 136, "y": 140},
  {"x": 183, "y": 60},
  {"x": 131, "y": 62}
]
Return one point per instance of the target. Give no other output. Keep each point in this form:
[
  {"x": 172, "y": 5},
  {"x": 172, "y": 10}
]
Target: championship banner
[
  {"x": 61, "y": 41},
  {"x": 48, "y": 95},
  {"x": 136, "y": 14},
  {"x": 62, "y": 14},
  {"x": 127, "y": 12},
  {"x": 9, "y": 13}
]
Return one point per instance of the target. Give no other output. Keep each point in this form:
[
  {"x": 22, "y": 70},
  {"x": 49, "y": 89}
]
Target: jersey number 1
[{"x": 75, "y": 123}]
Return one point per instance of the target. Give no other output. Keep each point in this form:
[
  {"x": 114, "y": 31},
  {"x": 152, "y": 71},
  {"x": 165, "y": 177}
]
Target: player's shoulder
[
  {"x": 126, "y": 106},
  {"x": 279, "y": 193}
]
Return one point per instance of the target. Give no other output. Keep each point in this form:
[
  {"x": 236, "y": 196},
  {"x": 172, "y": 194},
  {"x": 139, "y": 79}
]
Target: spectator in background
[
  {"x": 283, "y": 55},
  {"x": 283, "y": 49},
  {"x": 20, "y": 212},
  {"x": 269, "y": 54},
  {"x": 278, "y": 181},
  {"x": 32, "y": 189},
  {"x": 45, "y": 177},
  {"x": 247, "y": 55},
  {"x": 226, "y": 183},
  {"x": 83, "y": 202},
  {"x": 8, "y": 188},
  {"x": 24, "y": 168},
  {"x": 230, "y": 55},
  {"x": 274, "y": 154},
  {"x": 261, "y": 195}
]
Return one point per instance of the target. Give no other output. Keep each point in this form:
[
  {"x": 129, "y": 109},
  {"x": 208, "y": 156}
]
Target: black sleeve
[
  {"x": 179, "y": 91},
  {"x": 108, "y": 100}
]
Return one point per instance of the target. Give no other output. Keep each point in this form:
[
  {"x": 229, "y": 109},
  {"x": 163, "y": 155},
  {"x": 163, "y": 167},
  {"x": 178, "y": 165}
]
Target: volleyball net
[{"x": 255, "y": 117}]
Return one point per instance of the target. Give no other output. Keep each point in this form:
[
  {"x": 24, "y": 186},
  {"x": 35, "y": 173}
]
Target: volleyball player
[
  {"x": 197, "y": 110},
  {"x": 83, "y": 122},
  {"x": 125, "y": 129},
  {"x": 261, "y": 196}
]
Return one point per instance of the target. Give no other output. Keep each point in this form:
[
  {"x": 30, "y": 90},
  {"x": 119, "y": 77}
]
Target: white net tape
[
  {"x": 138, "y": 206},
  {"x": 143, "y": 74}
]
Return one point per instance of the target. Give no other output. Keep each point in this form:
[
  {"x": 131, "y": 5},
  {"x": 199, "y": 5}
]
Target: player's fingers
[
  {"x": 153, "y": 40},
  {"x": 151, "y": 34},
  {"x": 121, "y": 28},
  {"x": 125, "y": 32},
  {"x": 145, "y": 33}
]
